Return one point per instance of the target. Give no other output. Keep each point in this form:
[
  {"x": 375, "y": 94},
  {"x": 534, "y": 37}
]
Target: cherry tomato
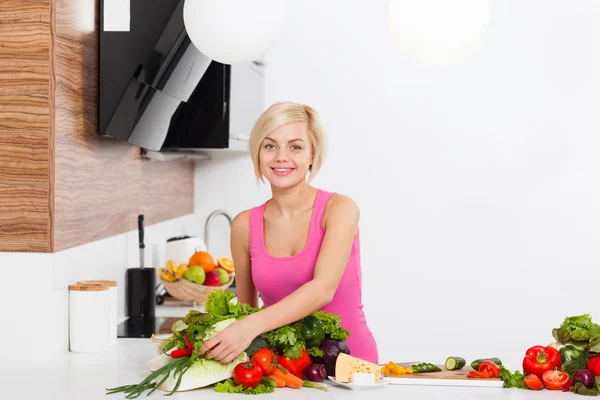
[
  {"x": 533, "y": 382},
  {"x": 555, "y": 380},
  {"x": 247, "y": 374},
  {"x": 490, "y": 368},
  {"x": 266, "y": 360}
]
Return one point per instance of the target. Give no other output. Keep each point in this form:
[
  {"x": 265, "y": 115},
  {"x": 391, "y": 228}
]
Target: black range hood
[{"x": 159, "y": 92}]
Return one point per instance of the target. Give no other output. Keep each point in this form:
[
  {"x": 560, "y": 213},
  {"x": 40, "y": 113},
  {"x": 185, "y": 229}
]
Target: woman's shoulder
[{"x": 341, "y": 206}]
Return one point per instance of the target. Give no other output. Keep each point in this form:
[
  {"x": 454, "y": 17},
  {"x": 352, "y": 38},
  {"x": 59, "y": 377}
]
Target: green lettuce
[
  {"x": 579, "y": 331},
  {"x": 229, "y": 386}
]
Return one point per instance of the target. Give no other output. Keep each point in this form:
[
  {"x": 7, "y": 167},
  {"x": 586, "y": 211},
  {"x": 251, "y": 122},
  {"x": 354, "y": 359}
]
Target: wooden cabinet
[{"x": 61, "y": 184}]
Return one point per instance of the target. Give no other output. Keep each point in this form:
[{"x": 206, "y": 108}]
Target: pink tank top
[{"x": 277, "y": 277}]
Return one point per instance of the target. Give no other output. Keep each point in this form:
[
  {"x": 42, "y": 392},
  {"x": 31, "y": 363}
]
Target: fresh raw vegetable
[
  {"x": 331, "y": 348},
  {"x": 585, "y": 376},
  {"x": 512, "y": 379},
  {"x": 266, "y": 360},
  {"x": 278, "y": 381},
  {"x": 265, "y": 380},
  {"x": 296, "y": 366},
  {"x": 533, "y": 382},
  {"x": 455, "y": 363},
  {"x": 257, "y": 344},
  {"x": 247, "y": 374},
  {"x": 229, "y": 386},
  {"x": 490, "y": 368},
  {"x": 572, "y": 358},
  {"x": 580, "y": 331},
  {"x": 539, "y": 359},
  {"x": 315, "y": 373},
  {"x": 391, "y": 368},
  {"x": 475, "y": 364},
  {"x": 192, "y": 370},
  {"x": 554, "y": 379},
  {"x": 479, "y": 375},
  {"x": 313, "y": 331},
  {"x": 291, "y": 380},
  {"x": 425, "y": 367},
  {"x": 580, "y": 388},
  {"x": 594, "y": 365}
]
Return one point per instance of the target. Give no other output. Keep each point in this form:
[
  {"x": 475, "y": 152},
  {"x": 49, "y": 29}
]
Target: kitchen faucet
[{"x": 209, "y": 221}]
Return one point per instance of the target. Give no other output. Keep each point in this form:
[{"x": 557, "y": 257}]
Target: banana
[{"x": 167, "y": 275}]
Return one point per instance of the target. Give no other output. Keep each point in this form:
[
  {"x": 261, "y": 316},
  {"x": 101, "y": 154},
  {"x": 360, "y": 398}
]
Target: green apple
[
  {"x": 195, "y": 274},
  {"x": 223, "y": 276}
]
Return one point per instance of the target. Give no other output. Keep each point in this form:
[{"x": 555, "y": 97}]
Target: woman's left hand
[{"x": 229, "y": 343}]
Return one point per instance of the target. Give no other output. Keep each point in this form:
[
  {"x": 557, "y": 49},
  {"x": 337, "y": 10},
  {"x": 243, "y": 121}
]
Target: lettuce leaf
[{"x": 229, "y": 386}]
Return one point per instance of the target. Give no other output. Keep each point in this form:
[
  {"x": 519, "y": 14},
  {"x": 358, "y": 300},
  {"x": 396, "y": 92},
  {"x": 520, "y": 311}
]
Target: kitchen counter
[{"x": 87, "y": 375}]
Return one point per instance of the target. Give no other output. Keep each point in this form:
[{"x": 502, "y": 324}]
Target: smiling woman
[{"x": 300, "y": 249}]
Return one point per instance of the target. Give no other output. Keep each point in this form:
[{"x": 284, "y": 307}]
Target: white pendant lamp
[
  {"x": 233, "y": 31},
  {"x": 439, "y": 32}
]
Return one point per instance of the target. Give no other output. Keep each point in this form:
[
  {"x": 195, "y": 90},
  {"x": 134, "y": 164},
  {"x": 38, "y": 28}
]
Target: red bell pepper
[
  {"x": 540, "y": 359},
  {"x": 296, "y": 366},
  {"x": 594, "y": 365}
]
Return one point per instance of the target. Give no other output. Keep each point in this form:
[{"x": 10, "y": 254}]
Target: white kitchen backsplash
[{"x": 35, "y": 309}]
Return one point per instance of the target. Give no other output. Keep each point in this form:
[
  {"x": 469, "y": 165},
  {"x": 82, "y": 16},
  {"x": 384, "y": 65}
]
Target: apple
[
  {"x": 195, "y": 274},
  {"x": 223, "y": 275},
  {"x": 212, "y": 279}
]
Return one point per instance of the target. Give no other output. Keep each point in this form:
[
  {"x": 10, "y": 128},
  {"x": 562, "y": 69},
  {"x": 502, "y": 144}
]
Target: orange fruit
[
  {"x": 204, "y": 260},
  {"x": 226, "y": 263}
]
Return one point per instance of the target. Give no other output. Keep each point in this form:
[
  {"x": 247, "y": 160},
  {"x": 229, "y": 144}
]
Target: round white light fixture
[
  {"x": 233, "y": 31},
  {"x": 438, "y": 32}
]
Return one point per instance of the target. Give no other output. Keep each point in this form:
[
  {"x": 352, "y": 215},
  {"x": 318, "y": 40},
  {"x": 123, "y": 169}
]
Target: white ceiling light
[
  {"x": 438, "y": 32},
  {"x": 233, "y": 31}
]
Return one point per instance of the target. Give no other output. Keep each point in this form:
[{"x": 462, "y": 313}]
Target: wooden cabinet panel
[{"x": 62, "y": 185}]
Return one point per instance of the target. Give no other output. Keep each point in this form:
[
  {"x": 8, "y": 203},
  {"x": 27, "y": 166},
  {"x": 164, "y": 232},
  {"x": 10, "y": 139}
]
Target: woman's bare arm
[{"x": 239, "y": 243}]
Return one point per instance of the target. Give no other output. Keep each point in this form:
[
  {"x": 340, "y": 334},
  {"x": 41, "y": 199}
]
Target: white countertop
[{"x": 87, "y": 375}]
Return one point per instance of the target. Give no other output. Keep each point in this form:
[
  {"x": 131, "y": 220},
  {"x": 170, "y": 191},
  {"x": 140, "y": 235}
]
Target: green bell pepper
[{"x": 313, "y": 331}]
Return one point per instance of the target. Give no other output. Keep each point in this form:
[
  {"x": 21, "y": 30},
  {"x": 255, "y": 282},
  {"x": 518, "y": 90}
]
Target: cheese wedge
[{"x": 346, "y": 365}]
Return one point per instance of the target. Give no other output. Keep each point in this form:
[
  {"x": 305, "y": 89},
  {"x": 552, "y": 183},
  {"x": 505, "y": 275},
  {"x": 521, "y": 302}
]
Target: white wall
[
  {"x": 477, "y": 183},
  {"x": 36, "y": 295}
]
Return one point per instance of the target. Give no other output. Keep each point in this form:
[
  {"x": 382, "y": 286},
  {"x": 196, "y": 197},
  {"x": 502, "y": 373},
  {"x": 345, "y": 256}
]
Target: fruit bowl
[{"x": 185, "y": 290}]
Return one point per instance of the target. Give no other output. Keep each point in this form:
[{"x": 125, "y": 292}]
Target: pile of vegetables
[
  {"x": 572, "y": 363},
  {"x": 297, "y": 355}
]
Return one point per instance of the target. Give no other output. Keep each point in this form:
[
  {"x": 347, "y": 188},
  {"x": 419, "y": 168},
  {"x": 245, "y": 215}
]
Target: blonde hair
[{"x": 281, "y": 113}]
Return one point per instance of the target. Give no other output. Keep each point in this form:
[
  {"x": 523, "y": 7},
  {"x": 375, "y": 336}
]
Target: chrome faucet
[{"x": 209, "y": 221}]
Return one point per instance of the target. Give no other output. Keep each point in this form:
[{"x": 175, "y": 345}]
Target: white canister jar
[
  {"x": 112, "y": 290},
  {"x": 89, "y": 318}
]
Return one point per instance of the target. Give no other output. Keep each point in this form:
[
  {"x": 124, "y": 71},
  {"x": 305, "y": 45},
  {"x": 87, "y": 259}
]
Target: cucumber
[
  {"x": 455, "y": 363},
  {"x": 268, "y": 381},
  {"x": 425, "y": 367},
  {"x": 475, "y": 364}
]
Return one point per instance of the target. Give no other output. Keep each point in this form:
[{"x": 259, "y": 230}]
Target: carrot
[
  {"x": 291, "y": 380},
  {"x": 279, "y": 382}
]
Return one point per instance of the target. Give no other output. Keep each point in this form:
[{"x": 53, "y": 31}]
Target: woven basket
[{"x": 185, "y": 290}]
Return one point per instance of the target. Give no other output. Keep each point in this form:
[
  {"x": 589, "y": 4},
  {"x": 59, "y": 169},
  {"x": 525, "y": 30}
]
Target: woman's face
[{"x": 286, "y": 155}]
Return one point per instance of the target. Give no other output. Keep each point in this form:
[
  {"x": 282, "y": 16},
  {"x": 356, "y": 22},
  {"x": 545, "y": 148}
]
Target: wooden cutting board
[{"x": 442, "y": 378}]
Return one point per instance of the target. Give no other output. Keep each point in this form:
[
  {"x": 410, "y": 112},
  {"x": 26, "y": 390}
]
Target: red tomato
[
  {"x": 247, "y": 374},
  {"x": 266, "y": 360},
  {"x": 490, "y": 368},
  {"x": 533, "y": 382},
  {"x": 555, "y": 380},
  {"x": 594, "y": 365}
]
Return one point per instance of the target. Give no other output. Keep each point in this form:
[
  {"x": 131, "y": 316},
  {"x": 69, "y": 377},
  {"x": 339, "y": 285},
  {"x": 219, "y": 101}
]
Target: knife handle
[{"x": 141, "y": 230}]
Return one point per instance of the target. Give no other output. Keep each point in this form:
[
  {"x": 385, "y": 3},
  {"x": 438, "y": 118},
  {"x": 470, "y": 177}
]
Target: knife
[{"x": 141, "y": 239}]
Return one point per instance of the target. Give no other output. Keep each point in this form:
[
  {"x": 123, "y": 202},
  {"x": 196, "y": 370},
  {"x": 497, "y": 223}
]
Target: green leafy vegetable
[
  {"x": 512, "y": 380},
  {"x": 229, "y": 386},
  {"x": 579, "y": 388},
  {"x": 579, "y": 330},
  {"x": 332, "y": 325},
  {"x": 288, "y": 338},
  {"x": 573, "y": 359}
]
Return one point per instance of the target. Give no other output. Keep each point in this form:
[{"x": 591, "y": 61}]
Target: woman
[{"x": 300, "y": 250}]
